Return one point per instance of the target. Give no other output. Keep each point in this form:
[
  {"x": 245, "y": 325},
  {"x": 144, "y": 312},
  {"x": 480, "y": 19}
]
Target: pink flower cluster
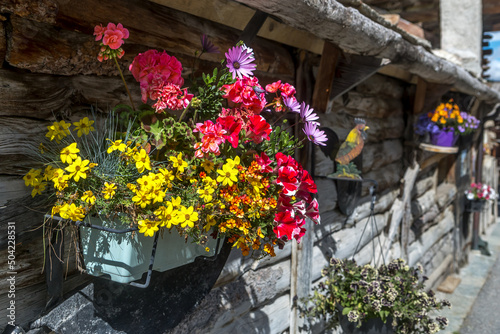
[
  {"x": 213, "y": 136},
  {"x": 246, "y": 93},
  {"x": 228, "y": 127},
  {"x": 479, "y": 191},
  {"x": 285, "y": 96},
  {"x": 154, "y": 70},
  {"x": 295, "y": 202},
  {"x": 112, "y": 39}
]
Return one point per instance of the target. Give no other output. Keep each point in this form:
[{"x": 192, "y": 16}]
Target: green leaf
[{"x": 346, "y": 310}]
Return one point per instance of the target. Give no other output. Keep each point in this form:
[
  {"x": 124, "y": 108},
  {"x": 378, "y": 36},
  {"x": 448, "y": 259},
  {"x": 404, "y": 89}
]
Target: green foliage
[
  {"x": 281, "y": 141},
  {"x": 210, "y": 93},
  {"x": 393, "y": 292}
]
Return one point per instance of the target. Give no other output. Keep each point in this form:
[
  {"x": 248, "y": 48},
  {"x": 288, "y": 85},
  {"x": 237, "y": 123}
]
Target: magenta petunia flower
[
  {"x": 314, "y": 134},
  {"x": 307, "y": 114},
  {"x": 239, "y": 62}
]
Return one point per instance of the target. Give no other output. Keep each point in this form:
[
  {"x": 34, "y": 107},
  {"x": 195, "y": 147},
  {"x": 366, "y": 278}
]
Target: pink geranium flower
[
  {"x": 258, "y": 129},
  {"x": 213, "y": 136},
  {"x": 288, "y": 227},
  {"x": 153, "y": 70},
  {"x": 114, "y": 35},
  {"x": 99, "y": 32},
  {"x": 232, "y": 128}
]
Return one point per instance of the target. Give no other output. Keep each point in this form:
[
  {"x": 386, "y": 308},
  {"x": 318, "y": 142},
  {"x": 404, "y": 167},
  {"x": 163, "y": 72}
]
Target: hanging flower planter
[
  {"x": 125, "y": 257},
  {"x": 371, "y": 326},
  {"x": 474, "y": 205}
]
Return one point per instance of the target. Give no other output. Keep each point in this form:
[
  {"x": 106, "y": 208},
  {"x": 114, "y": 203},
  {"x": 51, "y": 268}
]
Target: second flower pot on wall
[{"x": 443, "y": 138}]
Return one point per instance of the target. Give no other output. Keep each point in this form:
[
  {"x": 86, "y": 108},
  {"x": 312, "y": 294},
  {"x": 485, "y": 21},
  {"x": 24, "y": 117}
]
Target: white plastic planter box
[{"x": 125, "y": 257}]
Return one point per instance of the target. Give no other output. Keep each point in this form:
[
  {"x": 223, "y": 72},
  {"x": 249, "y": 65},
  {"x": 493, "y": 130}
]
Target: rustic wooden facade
[{"x": 342, "y": 57}]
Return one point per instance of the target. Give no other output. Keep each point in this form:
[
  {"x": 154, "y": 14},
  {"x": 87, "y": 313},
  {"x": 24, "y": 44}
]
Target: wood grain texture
[{"x": 68, "y": 47}]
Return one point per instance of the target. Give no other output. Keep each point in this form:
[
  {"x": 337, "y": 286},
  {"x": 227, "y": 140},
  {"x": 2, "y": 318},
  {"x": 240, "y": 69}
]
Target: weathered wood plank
[
  {"x": 41, "y": 10},
  {"x": 430, "y": 237},
  {"x": 326, "y": 74},
  {"x": 73, "y": 49},
  {"x": 3, "y": 41},
  {"x": 222, "y": 12}
]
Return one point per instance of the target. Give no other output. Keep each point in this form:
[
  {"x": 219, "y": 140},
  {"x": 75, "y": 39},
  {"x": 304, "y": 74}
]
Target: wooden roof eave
[{"x": 355, "y": 33}]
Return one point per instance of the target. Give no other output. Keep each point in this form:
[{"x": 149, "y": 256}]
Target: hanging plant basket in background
[
  {"x": 371, "y": 326},
  {"x": 474, "y": 205}
]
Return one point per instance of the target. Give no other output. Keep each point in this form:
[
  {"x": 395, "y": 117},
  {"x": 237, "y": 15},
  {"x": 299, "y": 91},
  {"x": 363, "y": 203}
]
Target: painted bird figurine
[{"x": 353, "y": 144}]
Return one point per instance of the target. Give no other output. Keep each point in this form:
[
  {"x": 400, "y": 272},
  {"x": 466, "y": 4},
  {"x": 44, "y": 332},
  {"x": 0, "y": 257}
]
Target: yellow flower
[
  {"x": 179, "y": 163},
  {"x": 210, "y": 222},
  {"x": 233, "y": 163},
  {"x": 69, "y": 153},
  {"x": 176, "y": 202},
  {"x": 148, "y": 227},
  {"x": 116, "y": 145},
  {"x": 48, "y": 173},
  {"x": 227, "y": 175},
  {"x": 32, "y": 177},
  {"x": 38, "y": 188},
  {"x": 206, "y": 194},
  {"x": 58, "y": 130},
  {"x": 60, "y": 180},
  {"x": 207, "y": 249},
  {"x": 78, "y": 169},
  {"x": 88, "y": 197},
  {"x": 187, "y": 217},
  {"x": 109, "y": 190},
  {"x": 132, "y": 187},
  {"x": 157, "y": 194},
  {"x": 209, "y": 182},
  {"x": 84, "y": 126},
  {"x": 167, "y": 215},
  {"x": 142, "y": 160},
  {"x": 207, "y": 165},
  {"x": 142, "y": 198},
  {"x": 75, "y": 213}
]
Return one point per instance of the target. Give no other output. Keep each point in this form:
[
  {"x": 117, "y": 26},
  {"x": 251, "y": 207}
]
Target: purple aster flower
[
  {"x": 292, "y": 104},
  {"x": 314, "y": 134},
  {"x": 207, "y": 45},
  {"x": 239, "y": 62},
  {"x": 307, "y": 114}
]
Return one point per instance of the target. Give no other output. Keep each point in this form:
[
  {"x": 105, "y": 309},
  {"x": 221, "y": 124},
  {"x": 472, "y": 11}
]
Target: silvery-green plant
[{"x": 393, "y": 292}]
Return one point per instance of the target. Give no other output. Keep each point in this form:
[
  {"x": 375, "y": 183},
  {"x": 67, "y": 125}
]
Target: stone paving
[{"x": 474, "y": 306}]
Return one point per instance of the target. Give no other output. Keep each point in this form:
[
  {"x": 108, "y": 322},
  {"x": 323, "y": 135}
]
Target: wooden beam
[
  {"x": 253, "y": 27},
  {"x": 327, "y": 67},
  {"x": 223, "y": 12},
  {"x": 419, "y": 101},
  {"x": 397, "y": 72}
]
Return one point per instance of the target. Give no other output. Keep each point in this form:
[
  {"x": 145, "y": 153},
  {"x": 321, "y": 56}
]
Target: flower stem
[
  {"x": 123, "y": 79},
  {"x": 184, "y": 112}
]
